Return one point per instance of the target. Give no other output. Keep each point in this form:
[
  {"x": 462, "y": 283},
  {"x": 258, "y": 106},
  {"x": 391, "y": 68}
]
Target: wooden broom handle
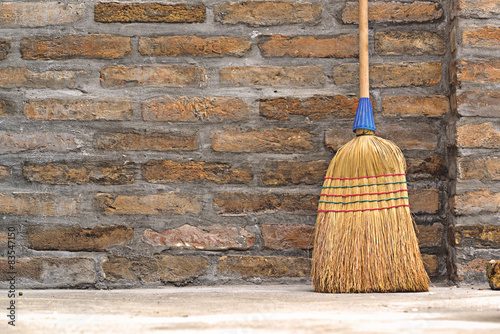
[{"x": 364, "y": 77}]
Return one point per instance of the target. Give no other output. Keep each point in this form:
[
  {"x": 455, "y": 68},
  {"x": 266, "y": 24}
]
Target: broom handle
[{"x": 364, "y": 77}]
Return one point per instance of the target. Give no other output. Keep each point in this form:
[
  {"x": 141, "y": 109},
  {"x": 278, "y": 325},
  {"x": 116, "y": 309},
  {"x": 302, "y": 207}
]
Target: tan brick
[
  {"x": 39, "y": 14},
  {"x": 163, "y": 268},
  {"x": 265, "y": 267},
  {"x": 316, "y": 107},
  {"x": 79, "y": 173},
  {"x": 493, "y": 274},
  {"x": 477, "y": 236},
  {"x": 81, "y": 110},
  {"x": 273, "y": 76},
  {"x": 173, "y": 46},
  {"x": 485, "y": 169},
  {"x": 280, "y": 173},
  {"x": 243, "y": 203},
  {"x": 45, "y": 142},
  {"x": 94, "y": 46},
  {"x": 405, "y": 105},
  {"x": 22, "y": 77},
  {"x": 38, "y": 204},
  {"x": 424, "y": 200},
  {"x": 476, "y": 202},
  {"x": 430, "y": 235},
  {"x": 431, "y": 264},
  {"x": 481, "y": 37},
  {"x": 425, "y": 167},
  {"x": 342, "y": 46},
  {"x": 195, "y": 109},
  {"x": 474, "y": 103},
  {"x": 413, "y": 43},
  {"x": 145, "y": 142},
  {"x": 211, "y": 238},
  {"x": 108, "y": 12},
  {"x": 479, "y": 8},
  {"x": 286, "y": 236},
  {"x": 95, "y": 239},
  {"x": 148, "y": 204},
  {"x": 484, "y": 135},
  {"x": 391, "y": 74},
  {"x": 153, "y": 76},
  {"x": 479, "y": 71},
  {"x": 394, "y": 12},
  {"x": 5, "y": 46},
  {"x": 277, "y": 140},
  {"x": 164, "y": 171},
  {"x": 266, "y": 13},
  {"x": 4, "y": 173}
]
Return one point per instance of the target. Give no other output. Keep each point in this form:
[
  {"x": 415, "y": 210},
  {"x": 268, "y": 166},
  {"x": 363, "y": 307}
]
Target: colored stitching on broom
[
  {"x": 368, "y": 200},
  {"x": 361, "y": 177},
  {"x": 350, "y": 195},
  {"x": 389, "y": 207},
  {"x": 362, "y": 185}
]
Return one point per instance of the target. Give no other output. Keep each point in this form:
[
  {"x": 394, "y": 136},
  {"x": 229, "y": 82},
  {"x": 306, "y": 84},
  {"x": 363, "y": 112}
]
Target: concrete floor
[{"x": 253, "y": 309}]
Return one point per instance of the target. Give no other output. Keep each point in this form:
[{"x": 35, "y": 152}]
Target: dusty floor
[{"x": 253, "y": 309}]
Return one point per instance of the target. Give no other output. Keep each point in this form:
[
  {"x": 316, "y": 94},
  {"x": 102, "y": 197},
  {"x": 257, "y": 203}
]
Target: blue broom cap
[{"x": 364, "y": 115}]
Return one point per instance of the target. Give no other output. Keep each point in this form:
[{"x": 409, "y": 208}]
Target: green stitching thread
[{"x": 373, "y": 200}]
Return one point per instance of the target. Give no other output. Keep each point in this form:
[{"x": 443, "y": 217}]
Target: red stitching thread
[
  {"x": 361, "y": 177},
  {"x": 389, "y": 207},
  {"x": 387, "y": 192}
]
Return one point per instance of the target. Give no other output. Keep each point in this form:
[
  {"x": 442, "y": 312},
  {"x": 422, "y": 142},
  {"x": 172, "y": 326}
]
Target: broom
[{"x": 365, "y": 239}]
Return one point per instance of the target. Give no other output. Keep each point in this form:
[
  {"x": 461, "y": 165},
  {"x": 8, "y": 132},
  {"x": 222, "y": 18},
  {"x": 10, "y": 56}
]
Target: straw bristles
[{"x": 365, "y": 239}]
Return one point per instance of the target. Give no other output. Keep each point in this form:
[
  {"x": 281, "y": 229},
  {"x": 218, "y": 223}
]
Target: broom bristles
[{"x": 365, "y": 239}]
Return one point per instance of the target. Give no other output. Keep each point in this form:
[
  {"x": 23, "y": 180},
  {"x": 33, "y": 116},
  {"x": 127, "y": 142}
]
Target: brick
[
  {"x": 430, "y": 235},
  {"x": 479, "y": 71},
  {"x": 474, "y": 103},
  {"x": 45, "y": 142},
  {"x": 431, "y": 264},
  {"x": 4, "y": 173},
  {"x": 3, "y": 242},
  {"x": 156, "y": 204},
  {"x": 164, "y": 171},
  {"x": 81, "y": 110},
  {"x": 93, "y": 46},
  {"x": 77, "y": 239},
  {"x": 173, "y": 46},
  {"x": 412, "y": 43},
  {"x": 39, "y": 14},
  {"x": 243, "y": 203},
  {"x": 476, "y": 202},
  {"x": 267, "y": 13},
  {"x": 426, "y": 167},
  {"x": 277, "y": 140},
  {"x": 153, "y": 76},
  {"x": 145, "y": 142},
  {"x": 5, "y": 46},
  {"x": 471, "y": 270},
  {"x": 80, "y": 173},
  {"x": 22, "y": 77},
  {"x": 405, "y": 105},
  {"x": 341, "y": 46},
  {"x": 286, "y": 236},
  {"x": 38, "y": 204},
  {"x": 391, "y": 74},
  {"x": 266, "y": 267},
  {"x": 481, "y": 37},
  {"x": 477, "y": 236},
  {"x": 493, "y": 274},
  {"x": 424, "y": 200},
  {"x": 163, "y": 268},
  {"x": 394, "y": 12},
  {"x": 210, "y": 238},
  {"x": 484, "y": 135},
  {"x": 485, "y": 169},
  {"x": 281, "y": 173},
  {"x": 272, "y": 76},
  {"x": 479, "y": 8},
  {"x": 316, "y": 107},
  {"x": 195, "y": 109}
]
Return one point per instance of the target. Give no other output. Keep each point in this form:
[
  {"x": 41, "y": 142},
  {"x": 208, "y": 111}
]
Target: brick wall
[{"x": 150, "y": 142}]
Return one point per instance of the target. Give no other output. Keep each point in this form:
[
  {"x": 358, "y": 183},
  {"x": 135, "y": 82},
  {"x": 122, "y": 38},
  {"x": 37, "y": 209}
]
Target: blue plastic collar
[{"x": 364, "y": 115}]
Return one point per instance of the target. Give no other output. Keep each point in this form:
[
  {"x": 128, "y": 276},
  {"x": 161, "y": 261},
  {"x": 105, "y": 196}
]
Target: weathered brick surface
[
  {"x": 212, "y": 238},
  {"x": 424, "y": 200},
  {"x": 481, "y": 37},
  {"x": 479, "y": 8},
  {"x": 39, "y": 14},
  {"x": 265, "y": 13},
  {"x": 285, "y": 236},
  {"x": 3, "y": 243},
  {"x": 4, "y": 173},
  {"x": 153, "y": 76},
  {"x": 78, "y": 239},
  {"x": 81, "y": 110},
  {"x": 426, "y": 167},
  {"x": 243, "y": 203},
  {"x": 475, "y": 103},
  {"x": 479, "y": 71},
  {"x": 156, "y": 204},
  {"x": 471, "y": 270},
  {"x": 477, "y": 202},
  {"x": 163, "y": 268},
  {"x": 414, "y": 43},
  {"x": 394, "y": 12},
  {"x": 195, "y": 109},
  {"x": 430, "y": 235},
  {"x": 38, "y": 204},
  {"x": 273, "y": 76},
  {"x": 484, "y": 135},
  {"x": 22, "y": 77},
  {"x": 5, "y": 46},
  {"x": 278, "y": 140},
  {"x": 481, "y": 168},
  {"x": 391, "y": 74},
  {"x": 45, "y": 142},
  {"x": 145, "y": 142},
  {"x": 431, "y": 264},
  {"x": 493, "y": 274},
  {"x": 478, "y": 236},
  {"x": 108, "y": 12},
  {"x": 99, "y": 46},
  {"x": 280, "y": 173},
  {"x": 269, "y": 267},
  {"x": 163, "y": 171},
  {"x": 431, "y": 105},
  {"x": 342, "y": 46},
  {"x": 80, "y": 173},
  {"x": 316, "y": 107},
  {"x": 173, "y": 46}
]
